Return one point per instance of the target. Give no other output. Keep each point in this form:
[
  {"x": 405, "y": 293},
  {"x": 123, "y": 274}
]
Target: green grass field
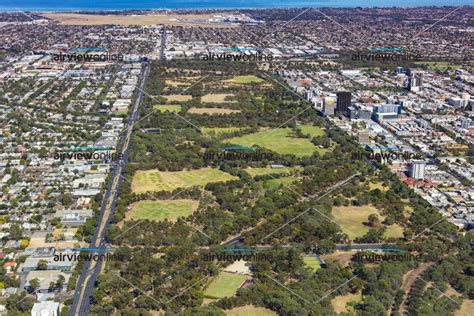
[
  {"x": 351, "y": 219},
  {"x": 224, "y": 285},
  {"x": 245, "y": 79},
  {"x": 167, "y": 107},
  {"x": 313, "y": 131},
  {"x": 268, "y": 170},
  {"x": 275, "y": 183},
  {"x": 160, "y": 210},
  {"x": 155, "y": 180},
  {"x": 277, "y": 140},
  {"x": 312, "y": 263},
  {"x": 438, "y": 65}
]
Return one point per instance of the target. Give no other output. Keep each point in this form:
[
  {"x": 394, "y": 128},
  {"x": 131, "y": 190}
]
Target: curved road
[{"x": 91, "y": 269}]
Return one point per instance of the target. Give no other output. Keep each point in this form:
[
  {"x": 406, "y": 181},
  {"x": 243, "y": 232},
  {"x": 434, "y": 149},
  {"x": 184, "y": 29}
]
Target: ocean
[{"x": 93, "y": 5}]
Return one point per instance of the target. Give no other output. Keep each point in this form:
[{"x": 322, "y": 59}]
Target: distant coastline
[{"x": 111, "y": 5}]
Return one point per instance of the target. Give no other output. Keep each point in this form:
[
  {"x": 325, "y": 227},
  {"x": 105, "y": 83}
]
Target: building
[
  {"x": 343, "y": 102},
  {"x": 46, "y": 308},
  {"x": 329, "y": 109},
  {"x": 386, "y": 112},
  {"x": 415, "y": 80},
  {"x": 363, "y": 137},
  {"x": 417, "y": 169}
]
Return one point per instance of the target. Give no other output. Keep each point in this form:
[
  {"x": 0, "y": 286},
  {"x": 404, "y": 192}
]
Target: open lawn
[
  {"x": 313, "y": 131},
  {"x": 212, "y": 111},
  {"x": 250, "y": 310},
  {"x": 377, "y": 185},
  {"x": 167, "y": 107},
  {"x": 339, "y": 303},
  {"x": 178, "y": 97},
  {"x": 155, "y": 180},
  {"x": 438, "y": 65},
  {"x": 162, "y": 209},
  {"x": 275, "y": 183},
  {"x": 268, "y": 170},
  {"x": 217, "y": 98},
  {"x": 351, "y": 219},
  {"x": 312, "y": 263},
  {"x": 225, "y": 285},
  {"x": 278, "y": 140},
  {"x": 245, "y": 79},
  {"x": 466, "y": 309}
]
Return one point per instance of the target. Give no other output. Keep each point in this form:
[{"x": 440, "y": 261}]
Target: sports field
[
  {"x": 162, "y": 209},
  {"x": 211, "y": 111},
  {"x": 268, "y": 170},
  {"x": 313, "y": 131},
  {"x": 155, "y": 180},
  {"x": 217, "y": 98},
  {"x": 245, "y": 79},
  {"x": 277, "y": 140},
  {"x": 225, "y": 285},
  {"x": 250, "y": 310},
  {"x": 351, "y": 219},
  {"x": 178, "y": 97},
  {"x": 167, "y": 107},
  {"x": 312, "y": 263}
]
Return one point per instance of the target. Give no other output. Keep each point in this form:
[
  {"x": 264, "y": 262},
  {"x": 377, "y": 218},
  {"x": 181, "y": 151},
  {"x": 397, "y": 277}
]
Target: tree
[
  {"x": 34, "y": 284},
  {"x": 42, "y": 265}
]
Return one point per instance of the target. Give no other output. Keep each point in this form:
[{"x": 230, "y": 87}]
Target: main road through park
[{"x": 91, "y": 269}]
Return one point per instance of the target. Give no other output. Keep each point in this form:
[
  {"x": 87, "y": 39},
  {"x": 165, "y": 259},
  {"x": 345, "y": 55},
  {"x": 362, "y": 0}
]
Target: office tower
[
  {"x": 417, "y": 169},
  {"x": 343, "y": 102},
  {"x": 328, "y": 109},
  {"x": 415, "y": 81},
  {"x": 363, "y": 137}
]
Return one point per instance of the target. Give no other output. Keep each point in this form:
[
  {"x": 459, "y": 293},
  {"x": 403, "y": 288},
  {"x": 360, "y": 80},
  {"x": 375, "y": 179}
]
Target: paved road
[{"x": 91, "y": 269}]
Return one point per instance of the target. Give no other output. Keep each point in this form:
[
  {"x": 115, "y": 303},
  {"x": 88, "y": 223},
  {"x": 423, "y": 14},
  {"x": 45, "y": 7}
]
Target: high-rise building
[
  {"x": 328, "y": 109},
  {"x": 363, "y": 137},
  {"x": 417, "y": 169},
  {"x": 415, "y": 80},
  {"x": 343, "y": 102}
]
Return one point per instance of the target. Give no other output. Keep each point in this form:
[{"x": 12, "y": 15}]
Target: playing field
[
  {"x": 245, "y": 79},
  {"x": 225, "y": 285},
  {"x": 155, "y": 180},
  {"x": 178, "y": 97},
  {"x": 217, "y": 98},
  {"x": 351, "y": 219},
  {"x": 212, "y": 111},
  {"x": 313, "y": 131},
  {"x": 268, "y": 170},
  {"x": 277, "y": 140},
  {"x": 312, "y": 263},
  {"x": 162, "y": 209},
  {"x": 250, "y": 310},
  {"x": 167, "y": 107}
]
